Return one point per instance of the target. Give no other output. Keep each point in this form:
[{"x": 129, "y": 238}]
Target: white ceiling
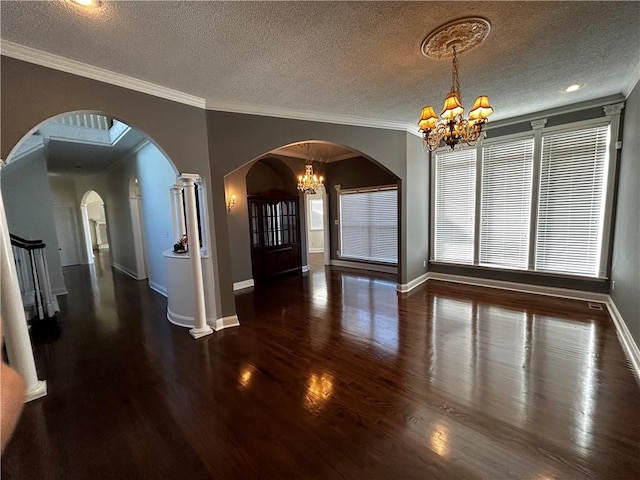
[
  {"x": 73, "y": 158},
  {"x": 344, "y": 59}
]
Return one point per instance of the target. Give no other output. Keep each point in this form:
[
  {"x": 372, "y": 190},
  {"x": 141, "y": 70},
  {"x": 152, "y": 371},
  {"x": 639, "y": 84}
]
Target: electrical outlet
[
  {"x": 424, "y": 263},
  {"x": 613, "y": 285}
]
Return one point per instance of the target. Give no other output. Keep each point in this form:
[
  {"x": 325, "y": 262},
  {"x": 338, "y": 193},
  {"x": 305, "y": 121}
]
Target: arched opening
[
  {"x": 94, "y": 224},
  {"x": 346, "y": 171},
  {"x": 85, "y": 181}
]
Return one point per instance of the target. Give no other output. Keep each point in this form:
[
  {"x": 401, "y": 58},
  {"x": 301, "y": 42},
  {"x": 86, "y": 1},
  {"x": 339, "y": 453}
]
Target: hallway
[{"x": 331, "y": 374}]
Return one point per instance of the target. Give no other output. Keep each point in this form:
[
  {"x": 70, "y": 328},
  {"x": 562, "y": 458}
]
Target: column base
[
  {"x": 38, "y": 390},
  {"x": 201, "y": 332}
]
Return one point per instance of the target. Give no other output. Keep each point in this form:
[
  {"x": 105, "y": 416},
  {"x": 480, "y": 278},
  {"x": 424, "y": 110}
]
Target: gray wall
[
  {"x": 625, "y": 270},
  {"x": 28, "y": 203},
  {"x": 238, "y": 225},
  {"x": 415, "y": 208},
  {"x": 233, "y": 144}
]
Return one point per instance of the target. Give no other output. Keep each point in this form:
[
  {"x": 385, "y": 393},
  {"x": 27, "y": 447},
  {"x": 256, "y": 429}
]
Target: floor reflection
[
  {"x": 319, "y": 390},
  {"x": 369, "y": 313},
  {"x": 503, "y": 361}
]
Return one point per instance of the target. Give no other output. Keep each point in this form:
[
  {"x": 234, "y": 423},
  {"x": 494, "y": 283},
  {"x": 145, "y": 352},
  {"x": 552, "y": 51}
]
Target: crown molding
[
  {"x": 265, "y": 111},
  {"x": 63, "y": 64},
  {"x": 576, "y": 107},
  {"x": 634, "y": 79},
  {"x": 56, "y": 62}
]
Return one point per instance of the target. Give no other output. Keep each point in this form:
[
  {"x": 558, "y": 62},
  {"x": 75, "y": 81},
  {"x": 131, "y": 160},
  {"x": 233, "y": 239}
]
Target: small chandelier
[
  {"x": 309, "y": 182},
  {"x": 452, "y": 128}
]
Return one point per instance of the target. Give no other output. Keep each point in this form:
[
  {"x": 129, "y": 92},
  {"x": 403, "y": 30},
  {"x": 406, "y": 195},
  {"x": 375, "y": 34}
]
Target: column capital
[
  {"x": 538, "y": 124},
  {"x": 189, "y": 179},
  {"x": 613, "y": 109}
]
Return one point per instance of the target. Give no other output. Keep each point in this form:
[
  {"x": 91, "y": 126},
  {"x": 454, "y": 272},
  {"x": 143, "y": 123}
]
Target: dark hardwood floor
[{"x": 331, "y": 375}]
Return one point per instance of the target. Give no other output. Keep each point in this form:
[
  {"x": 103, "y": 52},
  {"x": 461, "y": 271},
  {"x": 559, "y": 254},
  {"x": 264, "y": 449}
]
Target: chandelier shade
[
  {"x": 452, "y": 106},
  {"x": 452, "y": 128},
  {"x": 481, "y": 108}
]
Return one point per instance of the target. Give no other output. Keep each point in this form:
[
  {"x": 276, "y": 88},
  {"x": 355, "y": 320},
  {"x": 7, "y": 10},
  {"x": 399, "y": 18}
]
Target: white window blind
[
  {"x": 369, "y": 225},
  {"x": 506, "y": 204},
  {"x": 572, "y": 188},
  {"x": 316, "y": 214},
  {"x": 455, "y": 206}
]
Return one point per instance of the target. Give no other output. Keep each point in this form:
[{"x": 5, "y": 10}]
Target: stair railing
[{"x": 33, "y": 276}]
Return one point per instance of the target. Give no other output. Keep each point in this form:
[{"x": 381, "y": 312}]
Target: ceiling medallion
[{"x": 463, "y": 34}]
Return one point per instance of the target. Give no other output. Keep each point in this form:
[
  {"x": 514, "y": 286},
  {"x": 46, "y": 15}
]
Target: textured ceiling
[{"x": 352, "y": 59}]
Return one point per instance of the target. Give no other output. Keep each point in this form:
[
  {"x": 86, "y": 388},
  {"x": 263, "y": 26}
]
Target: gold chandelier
[
  {"x": 452, "y": 127},
  {"x": 309, "y": 182}
]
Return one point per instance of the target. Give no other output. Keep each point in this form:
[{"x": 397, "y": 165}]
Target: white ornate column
[
  {"x": 202, "y": 204},
  {"x": 14, "y": 325},
  {"x": 201, "y": 328},
  {"x": 613, "y": 112},
  {"x": 177, "y": 212}
]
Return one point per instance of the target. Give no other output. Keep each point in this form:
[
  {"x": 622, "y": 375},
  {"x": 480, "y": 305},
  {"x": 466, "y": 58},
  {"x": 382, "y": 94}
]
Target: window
[
  {"x": 369, "y": 225},
  {"x": 573, "y": 180},
  {"x": 544, "y": 213},
  {"x": 506, "y": 203},
  {"x": 455, "y": 206},
  {"x": 316, "y": 214}
]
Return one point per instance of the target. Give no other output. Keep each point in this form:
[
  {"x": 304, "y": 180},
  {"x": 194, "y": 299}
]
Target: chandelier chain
[{"x": 455, "y": 81}]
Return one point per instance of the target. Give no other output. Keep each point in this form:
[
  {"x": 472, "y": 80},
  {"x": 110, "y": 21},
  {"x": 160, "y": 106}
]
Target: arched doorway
[
  {"x": 346, "y": 171},
  {"x": 94, "y": 224},
  {"x": 56, "y": 167}
]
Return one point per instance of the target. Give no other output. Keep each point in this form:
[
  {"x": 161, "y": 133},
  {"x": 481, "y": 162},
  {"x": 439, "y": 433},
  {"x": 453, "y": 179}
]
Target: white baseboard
[
  {"x": 125, "y": 270},
  {"x": 521, "y": 287},
  {"x": 407, "y": 287},
  {"x": 158, "y": 288},
  {"x": 626, "y": 339},
  {"x": 364, "y": 266},
  {"x": 225, "y": 322},
  {"x": 185, "y": 320},
  {"x": 216, "y": 323},
  {"x": 243, "y": 284},
  {"x": 59, "y": 291}
]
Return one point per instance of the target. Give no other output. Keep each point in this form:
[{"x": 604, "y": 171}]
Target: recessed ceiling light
[
  {"x": 87, "y": 3},
  {"x": 573, "y": 88}
]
